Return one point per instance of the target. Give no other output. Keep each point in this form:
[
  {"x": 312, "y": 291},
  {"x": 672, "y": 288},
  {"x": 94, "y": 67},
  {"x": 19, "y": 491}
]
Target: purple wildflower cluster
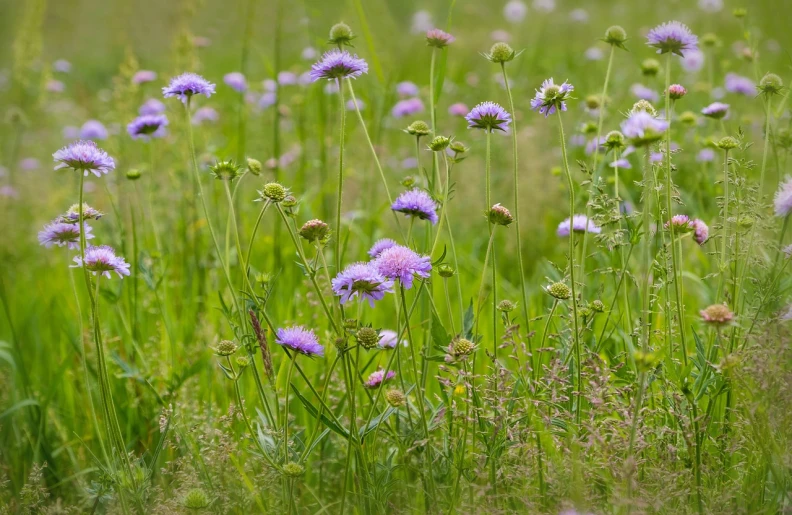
[
  {"x": 740, "y": 85},
  {"x": 63, "y": 233},
  {"x": 407, "y": 107},
  {"x": 783, "y": 198},
  {"x": 378, "y": 377},
  {"x": 361, "y": 280},
  {"x": 402, "y": 264},
  {"x": 84, "y": 156},
  {"x": 380, "y": 246}
]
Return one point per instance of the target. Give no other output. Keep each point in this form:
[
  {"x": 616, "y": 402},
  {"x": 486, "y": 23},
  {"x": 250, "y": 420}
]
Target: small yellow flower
[{"x": 459, "y": 390}]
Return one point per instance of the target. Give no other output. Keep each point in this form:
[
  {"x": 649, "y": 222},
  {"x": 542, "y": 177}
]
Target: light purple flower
[
  {"x": 579, "y": 15},
  {"x": 515, "y": 11},
  {"x": 363, "y": 281},
  {"x": 8, "y": 192},
  {"x": 84, "y": 156},
  {"x": 338, "y": 64},
  {"x": 308, "y": 53},
  {"x": 93, "y": 129},
  {"x": 700, "y": 231},
  {"x": 407, "y": 107},
  {"x": 783, "y": 198},
  {"x": 407, "y": 89},
  {"x": 267, "y": 99},
  {"x": 705, "y": 155},
  {"x": 387, "y": 339},
  {"x": 102, "y": 260},
  {"x": 350, "y": 105},
  {"x": 148, "y": 126},
  {"x": 738, "y": 84},
  {"x": 551, "y": 96},
  {"x": 29, "y": 164},
  {"x": 236, "y": 81},
  {"x": 622, "y": 164},
  {"x": 60, "y": 234},
  {"x": 71, "y": 132},
  {"x": 672, "y": 36},
  {"x": 643, "y": 128},
  {"x": 438, "y": 38},
  {"x": 72, "y": 216},
  {"x": 644, "y": 93},
  {"x": 488, "y": 116},
  {"x": 716, "y": 110},
  {"x": 409, "y": 163},
  {"x": 378, "y": 377},
  {"x": 458, "y": 109},
  {"x": 269, "y": 85},
  {"x": 55, "y": 86},
  {"x": 681, "y": 223},
  {"x": 546, "y": 6},
  {"x": 151, "y": 106},
  {"x": 580, "y": 223},
  {"x": 287, "y": 78},
  {"x": 299, "y": 339},
  {"x": 710, "y": 6},
  {"x": 594, "y": 54},
  {"x": 380, "y": 246},
  {"x": 403, "y": 264},
  {"x": 62, "y": 66},
  {"x": 416, "y": 202},
  {"x": 205, "y": 114},
  {"x": 693, "y": 61},
  {"x": 186, "y": 85},
  {"x": 421, "y": 22},
  {"x": 143, "y": 76}
]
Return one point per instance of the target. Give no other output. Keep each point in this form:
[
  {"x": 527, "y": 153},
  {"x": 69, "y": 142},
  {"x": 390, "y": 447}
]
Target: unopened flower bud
[
  {"x": 439, "y": 143},
  {"x": 274, "y": 191},
  {"x": 615, "y": 35},
  {"x": 728, "y": 143},
  {"x": 499, "y": 215},
  {"x": 367, "y": 337},
  {"x": 771, "y": 84},
  {"x": 341, "y": 34},
  {"x": 445, "y": 270},
  {"x": 598, "y": 306},
  {"x": 243, "y": 361},
  {"x": 418, "y": 128},
  {"x": 254, "y": 166},
  {"x": 462, "y": 346},
  {"x": 614, "y": 140},
  {"x": 559, "y": 290},
  {"x": 650, "y": 67},
  {"x": 289, "y": 201},
  {"x": 501, "y": 53},
  {"x": 506, "y": 306},
  {"x": 315, "y": 230},
  {"x": 195, "y": 499},
  {"x": 740, "y": 12},
  {"x": 676, "y": 91},
  {"x": 293, "y": 469},
  {"x": 688, "y": 118},
  {"x": 225, "y": 348},
  {"x": 717, "y": 315},
  {"x": 225, "y": 170},
  {"x": 709, "y": 40},
  {"x": 395, "y": 398},
  {"x": 458, "y": 147}
]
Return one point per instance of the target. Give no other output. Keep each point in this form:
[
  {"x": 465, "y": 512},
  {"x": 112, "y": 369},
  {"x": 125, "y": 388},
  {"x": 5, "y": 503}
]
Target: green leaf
[
  {"x": 315, "y": 414},
  {"x": 440, "y": 336},
  {"x": 467, "y": 322},
  {"x": 19, "y": 405},
  {"x": 376, "y": 421}
]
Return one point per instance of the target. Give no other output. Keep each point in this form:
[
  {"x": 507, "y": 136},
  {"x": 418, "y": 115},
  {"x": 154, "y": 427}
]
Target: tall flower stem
[
  {"x": 544, "y": 338},
  {"x": 576, "y": 336},
  {"x": 340, "y": 188},
  {"x": 515, "y": 178},
  {"x": 724, "y": 229},
  {"x": 286, "y": 410},
  {"x": 648, "y": 183},
  {"x": 491, "y": 248}
]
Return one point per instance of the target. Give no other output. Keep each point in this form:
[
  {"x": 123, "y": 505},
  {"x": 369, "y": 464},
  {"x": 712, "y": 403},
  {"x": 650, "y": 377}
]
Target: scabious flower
[
  {"x": 488, "y": 116},
  {"x": 102, "y": 260},
  {"x": 62, "y": 66},
  {"x": 406, "y": 89},
  {"x": 378, "y": 377},
  {"x": 287, "y": 78},
  {"x": 693, "y": 61},
  {"x": 338, "y": 64},
  {"x": 681, "y": 223},
  {"x": 717, "y": 315},
  {"x": 361, "y": 280},
  {"x": 622, "y": 164},
  {"x": 593, "y": 54},
  {"x": 143, "y": 76},
  {"x": 421, "y": 22},
  {"x": 438, "y": 38},
  {"x": 716, "y": 110},
  {"x": 72, "y": 216},
  {"x": 299, "y": 339},
  {"x": 783, "y": 198},
  {"x": 700, "y": 231},
  {"x": 55, "y": 86},
  {"x": 579, "y": 224},
  {"x": 93, "y": 129},
  {"x": 388, "y": 339},
  {"x": 267, "y": 99},
  {"x": 416, "y": 202},
  {"x": 402, "y": 263},
  {"x": 672, "y": 36},
  {"x": 84, "y": 156},
  {"x": 643, "y": 128},
  {"x": 61, "y": 233},
  {"x": 644, "y": 93},
  {"x": 151, "y": 106},
  {"x": 205, "y": 114},
  {"x": 236, "y": 81},
  {"x": 705, "y": 155},
  {"x": 515, "y": 11},
  {"x": 458, "y": 109},
  {"x": 186, "y": 85},
  {"x": 148, "y": 126},
  {"x": 407, "y": 107},
  {"x": 676, "y": 91},
  {"x": 738, "y": 84},
  {"x": 550, "y": 97},
  {"x": 710, "y": 6},
  {"x": 380, "y": 246}
]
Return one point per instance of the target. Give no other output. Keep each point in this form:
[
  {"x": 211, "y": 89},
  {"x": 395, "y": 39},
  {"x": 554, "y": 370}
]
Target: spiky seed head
[
  {"x": 225, "y": 170},
  {"x": 462, "y": 346},
  {"x": 728, "y": 143},
  {"x": 243, "y": 361},
  {"x": 315, "y": 230},
  {"x": 501, "y": 53},
  {"x": 771, "y": 84},
  {"x": 225, "y": 348},
  {"x": 274, "y": 191},
  {"x": 418, "y": 128},
  {"x": 133, "y": 174},
  {"x": 688, "y": 118},
  {"x": 195, "y": 499},
  {"x": 644, "y": 105},
  {"x": 614, "y": 140},
  {"x": 341, "y": 34},
  {"x": 439, "y": 143},
  {"x": 593, "y": 101},
  {"x": 650, "y": 67},
  {"x": 597, "y": 306},
  {"x": 445, "y": 270},
  {"x": 293, "y": 469},
  {"x": 499, "y": 215},
  {"x": 457, "y": 147},
  {"x": 254, "y": 166},
  {"x": 506, "y": 306},
  {"x": 616, "y": 36},
  {"x": 560, "y": 291},
  {"x": 709, "y": 40},
  {"x": 395, "y": 398},
  {"x": 367, "y": 337}
]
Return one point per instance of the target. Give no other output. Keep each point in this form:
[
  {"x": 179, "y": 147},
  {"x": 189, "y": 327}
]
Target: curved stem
[{"x": 340, "y": 188}]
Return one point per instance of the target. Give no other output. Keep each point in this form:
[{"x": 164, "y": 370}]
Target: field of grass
[{"x": 251, "y": 350}]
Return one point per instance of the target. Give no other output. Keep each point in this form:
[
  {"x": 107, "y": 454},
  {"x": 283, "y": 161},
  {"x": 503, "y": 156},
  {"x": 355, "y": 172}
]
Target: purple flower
[
  {"x": 406, "y": 89},
  {"x": 399, "y": 262},
  {"x": 643, "y": 128},
  {"x": 62, "y": 66},
  {"x": 102, "y": 260},
  {"x": 93, "y": 129},
  {"x": 147, "y": 127},
  {"x": 72, "y": 216},
  {"x": 693, "y": 61},
  {"x": 287, "y": 78},
  {"x": 186, "y": 85},
  {"x": 421, "y": 22},
  {"x": 407, "y": 107},
  {"x": 380, "y": 246},
  {"x": 308, "y": 53},
  {"x": 716, "y": 110},
  {"x": 458, "y": 109},
  {"x": 515, "y": 11},
  {"x": 29, "y": 164},
  {"x": 672, "y": 36},
  {"x": 235, "y": 81},
  {"x": 409, "y": 163},
  {"x": 269, "y": 85},
  {"x": 84, "y": 156},
  {"x": 594, "y": 54},
  {"x": 205, "y": 114},
  {"x": 378, "y": 377},
  {"x": 60, "y": 234},
  {"x": 738, "y": 84},
  {"x": 351, "y": 106},
  {"x": 71, "y": 132},
  {"x": 622, "y": 164},
  {"x": 438, "y": 38},
  {"x": 551, "y": 96},
  {"x": 361, "y": 280},
  {"x": 579, "y": 15},
  {"x": 705, "y": 155},
  {"x": 299, "y": 339},
  {"x": 151, "y": 106},
  {"x": 681, "y": 223},
  {"x": 8, "y": 192},
  {"x": 338, "y": 64},
  {"x": 700, "y": 231},
  {"x": 488, "y": 116},
  {"x": 416, "y": 202},
  {"x": 644, "y": 93},
  {"x": 710, "y": 6},
  {"x": 387, "y": 339},
  {"x": 546, "y": 6},
  {"x": 783, "y": 198},
  {"x": 55, "y": 86},
  {"x": 580, "y": 223},
  {"x": 267, "y": 99},
  {"x": 143, "y": 76}
]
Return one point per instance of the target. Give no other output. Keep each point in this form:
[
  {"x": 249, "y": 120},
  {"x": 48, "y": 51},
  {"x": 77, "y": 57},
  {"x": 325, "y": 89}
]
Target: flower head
[
  {"x": 406, "y": 89},
  {"x": 438, "y": 38},
  {"x": 771, "y": 84},
  {"x": 551, "y": 97},
  {"x": 388, "y": 339},
  {"x": 700, "y": 231},
  {"x": 416, "y": 202},
  {"x": 488, "y": 116},
  {"x": 102, "y": 260},
  {"x": 186, "y": 85},
  {"x": 559, "y": 291},
  {"x": 93, "y": 129},
  {"x": 676, "y": 91},
  {"x": 361, "y": 280},
  {"x": 225, "y": 170},
  {"x": 143, "y": 76},
  {"x": 402, "y": 263},
  {"x": 501, "y": 53},
  {"x": 643, "y": 128},
  {"x": 716, "y": 110},
  {"x": 783, "y": 198},
  {"x": 338, "y": 64},
  {"x": 580, "y": 223},
  {"x": 151, "y": 106},
  {"x": 63, "y": 233},
  {"x": 315, "y": 230},
  {"x": 738, "y": 84},
  {"x": 407, "y": 107},
  {"x": 341, "y": 34},
  {"x": 84, "y": 156},
  {"x": 680, "y": 223},
  {"x": 378, "y": 377},
  {"x": 72, "y": 216},
  {"x": 380, "y": 246},
  {"x": 515, "y": 11},
  {"x": 205, "y": 114},
  {"x": 148, "y": 126},
  {"x": 616, "y": 36},
  {"x": 672, "y": 36},
  {"x": 458, "y": 109},
  {"x": 717, "y": 315},
  {"x": 299, "y": 339},
  {"x": 236, "y": 81},
  {"x": 418, "y": 128},
  {"x": 499, "y": 215}
]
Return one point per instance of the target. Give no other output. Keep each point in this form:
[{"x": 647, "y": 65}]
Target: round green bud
[
  {"x": 499, "y": 215},
  {"x": 644, "y": 105},
  {"x": 418, "y": 128},
  {"x": 593, "y": 101},
  {"x": 615, "y": 35},
  {"x": 745, "y": 221},
  {"x": 589, "y": 128},
  {"x": 598, "y": 306},
  {"x": 559, "y": 290},
  {"x": 133, "y": 174},
  {"x": 458, "y": 147},
  {"x": 740, "y": 12},
  {"x": 408, "y": 181},
  {"x": 614, "y": 140},
  {"x": 439, "y": 143},
  {"x": 644, "y": 361},
  {"x": 293, "y": 469},
  {"x": 341, "y": 34},
  {"x": 688, "y": 118},
  {"x": 709, "y": 40},
  {"x": 274, "y": 191},
  {"x": 728, "y": 143},
  {"x": 315, "y": 230},
  {"x": 462, "y": 346},
  {"x": 340, "y": 344},
  {"x": 395, "y": 398},
  {"x": 254, "y": 166},
  {"x": 289, "y": 201},
  {"x": 771, "y": 84},
  {"x": 367, "y": 337},
  {"x": 350, "y": 324},
  {"x": 225, "y": 348},
  {"x": 501, "y": 53},
  {"x": 446, "y": 270},
  {"x": 195, "y": 499},
  {"x": 650, "y": 67},
  {"x": 506, "y": 306}
]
